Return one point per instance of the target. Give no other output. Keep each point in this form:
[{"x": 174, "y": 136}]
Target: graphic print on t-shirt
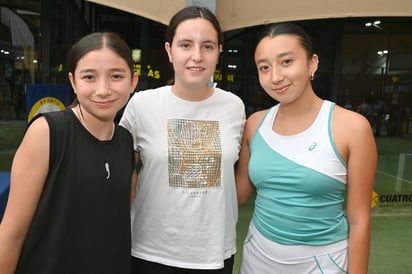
[{"x": 195, "y": 153}]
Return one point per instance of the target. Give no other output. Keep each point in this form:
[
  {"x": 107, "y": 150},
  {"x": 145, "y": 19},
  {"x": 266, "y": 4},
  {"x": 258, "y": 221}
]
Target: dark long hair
[
  {"x": 96, "y": 41},
  {"x": 276, "y": 29}
]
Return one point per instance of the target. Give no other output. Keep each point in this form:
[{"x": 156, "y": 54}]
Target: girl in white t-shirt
[{"x": 187, "y": 138}]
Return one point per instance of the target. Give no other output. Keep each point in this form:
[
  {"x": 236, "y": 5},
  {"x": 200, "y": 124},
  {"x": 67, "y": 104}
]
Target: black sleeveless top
[{"x": 82, "y": 222}]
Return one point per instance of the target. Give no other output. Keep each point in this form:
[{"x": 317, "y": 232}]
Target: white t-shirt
[{"x": 185, "y": 211}]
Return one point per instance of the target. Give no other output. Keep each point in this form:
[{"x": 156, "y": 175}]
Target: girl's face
[
  {"x": 284, "y": 68},
  {"x": 102, "y": 82},
  {"x": 194, "y": 53}
]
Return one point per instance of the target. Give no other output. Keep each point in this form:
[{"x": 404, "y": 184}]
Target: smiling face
[
  {"x": 194, "y": 53},
  {"x": 103, "y": 82},
  {"x": 284, "y": 67}
]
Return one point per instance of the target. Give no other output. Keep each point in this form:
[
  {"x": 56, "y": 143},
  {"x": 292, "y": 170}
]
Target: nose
[
  {"x": 103, "y": 88},
  {"x": 277, "y": 75},
  {"x": 197, "y": 54}
]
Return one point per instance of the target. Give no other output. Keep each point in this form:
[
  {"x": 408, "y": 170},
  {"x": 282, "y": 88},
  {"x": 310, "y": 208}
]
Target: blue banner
[
  {"x": 4, "y": 191},
  {"x": 42, "y": 98}
]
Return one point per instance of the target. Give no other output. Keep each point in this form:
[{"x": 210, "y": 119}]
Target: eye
[
  {"x": 87, "y": 77},
  {"x": 185, "y": 45},
  {"x": 287, "y": 62},
  {"x": 117, "y": 76},
  {"x": 263, "y": 68},
  {"x": 209, "y": 46}
]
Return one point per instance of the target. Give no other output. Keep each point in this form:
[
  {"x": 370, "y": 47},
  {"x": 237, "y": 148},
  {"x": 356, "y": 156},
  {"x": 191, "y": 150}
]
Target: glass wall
[
  {"x": 376, "y": 80},
  {"x": 19, "y": 64},
  {"x": 19, "y": 31}
]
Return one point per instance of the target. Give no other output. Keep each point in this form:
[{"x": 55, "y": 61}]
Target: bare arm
[
  {"x": 361, "y": 156},
  {"x": 361, "y": 173},
  {"x": 244, "y": 186},
  {"x": 32, "y": 157}
]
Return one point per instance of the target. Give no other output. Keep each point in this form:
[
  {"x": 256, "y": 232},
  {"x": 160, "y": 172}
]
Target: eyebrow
[
  {"x": 283, "y": 54},
  {"x": 191, "y": 41},
  {"x": 280, "y": 55},
  {"x": 93, "y": 70}
]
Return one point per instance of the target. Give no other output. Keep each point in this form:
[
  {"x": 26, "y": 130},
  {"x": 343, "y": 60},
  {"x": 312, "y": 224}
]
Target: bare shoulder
[
  {"x": 39, "y": 123},
  {"x": 351, "y": 131},
  {"x": 253, "y": 122},
  {"x": 257, "y": 116},
  {"x": 38, "y": 126},
  {"x": 349, "y": 119},
  {"x": 37, "y": 135}
]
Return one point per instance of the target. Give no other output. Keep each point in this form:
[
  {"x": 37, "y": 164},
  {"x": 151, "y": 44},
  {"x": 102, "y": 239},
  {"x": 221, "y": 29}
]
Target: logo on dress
[{"x": 312, "y": 146}]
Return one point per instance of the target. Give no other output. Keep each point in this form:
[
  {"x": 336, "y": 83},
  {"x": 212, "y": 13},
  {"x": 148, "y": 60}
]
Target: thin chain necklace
[
  {"x": 106, "y": 164},
  {"x": 80, "y": 114}
]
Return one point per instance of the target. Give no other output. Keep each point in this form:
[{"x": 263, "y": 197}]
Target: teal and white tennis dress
[{"x": 298, "y": 225}]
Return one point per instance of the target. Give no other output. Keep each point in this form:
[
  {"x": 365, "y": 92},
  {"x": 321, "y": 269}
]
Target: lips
[
  {"x": 196, "y": 68},
  {"x": 280, "y": 89},
  {"x": 106, "y": 103}
]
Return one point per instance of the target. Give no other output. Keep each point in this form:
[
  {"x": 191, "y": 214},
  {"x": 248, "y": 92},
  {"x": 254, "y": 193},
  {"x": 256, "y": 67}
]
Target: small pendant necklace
[
  {"x": 80, "y": 114},
  {"x": 81, "y": 118}
]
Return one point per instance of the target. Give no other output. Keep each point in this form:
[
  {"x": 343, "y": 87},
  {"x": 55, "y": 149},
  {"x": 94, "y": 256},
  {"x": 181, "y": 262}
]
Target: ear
[
  {"x": 135, "y": 81},
  {"x": 314, "y": 63},
  {"x": 220, "y": 51},
  {"x": 71, "y": 78},
  {"x": 168, "y": 49}
]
